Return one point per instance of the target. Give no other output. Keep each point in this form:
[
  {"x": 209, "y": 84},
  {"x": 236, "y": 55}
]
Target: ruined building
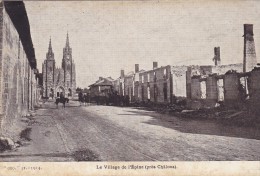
[
  {"x": 201, "y": 85},
  {"x": 166, "y": 84},
  {"x": 59, "y": 80}
]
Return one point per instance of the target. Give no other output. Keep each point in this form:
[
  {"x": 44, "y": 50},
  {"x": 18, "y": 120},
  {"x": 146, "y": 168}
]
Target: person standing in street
[{"x": 80, "y": 98}]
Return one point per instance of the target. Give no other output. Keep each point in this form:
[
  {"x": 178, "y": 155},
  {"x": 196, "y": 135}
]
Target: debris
[
  {"x": 85, "y": 155},
  {"x": 6, "y": 144},
  {"x": 235, "y": 114},
  {"x": 25, "y": 134}
]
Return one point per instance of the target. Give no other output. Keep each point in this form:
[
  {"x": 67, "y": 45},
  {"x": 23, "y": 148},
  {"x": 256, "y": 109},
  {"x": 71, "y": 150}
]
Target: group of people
[{"x": 84, "y": 99}]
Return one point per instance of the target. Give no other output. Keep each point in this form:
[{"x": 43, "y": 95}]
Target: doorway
[{"x": 60, "y": 90}]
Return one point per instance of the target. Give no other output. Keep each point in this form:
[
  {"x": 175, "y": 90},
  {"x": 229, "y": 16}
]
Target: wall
[
  {"x": 159, "y": 82},
  {"x": 18, "y": 81},
  {"x": 179, "y": 81},
  {"x": 222, "y": 69},
  {"x": 195, "y": 88},
  {"x": 99, "y": 90},
  {"x": 128, "y": 86},
  {"x": 254, "y": 91},
  {"x": 231, "y": 90},
  {"x": 211, "y": 90}
]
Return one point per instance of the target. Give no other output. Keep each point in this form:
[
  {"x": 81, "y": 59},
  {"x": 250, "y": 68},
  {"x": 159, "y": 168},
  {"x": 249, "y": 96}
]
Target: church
[{"x": 59, "y": 80}]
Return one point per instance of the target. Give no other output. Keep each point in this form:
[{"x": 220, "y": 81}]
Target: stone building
[
  {"x": 18, "y": 72},
  {"x": 59, "y": 80},
  {"x": 201, "y": 85},
  {"x": 231, "y": 84},
  {"x": 102, "y": 87},
  {"x": 128, "y": 84},
  {"x": 166, "y": 84}
]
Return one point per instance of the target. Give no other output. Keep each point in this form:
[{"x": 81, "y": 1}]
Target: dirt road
[{"x": 106, "y": 133}]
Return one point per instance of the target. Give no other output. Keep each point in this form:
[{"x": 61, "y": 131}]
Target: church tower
[
  {"x": 69, "y": 69},
  {"x": 48, "y": 69}
]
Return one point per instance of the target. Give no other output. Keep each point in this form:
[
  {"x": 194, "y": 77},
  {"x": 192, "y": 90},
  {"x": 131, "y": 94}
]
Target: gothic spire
[
  {"x": 67, "y": 40},
  {"x": 50, "y": 54},
  {"x": 50, "y": 47}
]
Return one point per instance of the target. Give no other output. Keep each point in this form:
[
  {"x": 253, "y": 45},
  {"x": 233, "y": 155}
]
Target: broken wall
[
  {"x": 195, "y": 88},
  {"x": 222, "y": 69},
  {"x": 211, "y": 90},
  {"x": 231, "y": 90},
  {"x": 254, "y": 91},
  {"x": 179, "y": 81}
]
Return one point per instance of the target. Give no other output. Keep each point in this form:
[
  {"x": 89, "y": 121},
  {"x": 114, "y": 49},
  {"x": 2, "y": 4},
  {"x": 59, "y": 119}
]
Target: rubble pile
[{"x": 228, "y": 116}]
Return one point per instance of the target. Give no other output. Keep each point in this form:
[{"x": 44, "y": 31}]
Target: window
[
  {"x": 148, "y": 77},
  {"x": 142, "y": 78},
  {"x": 165, "y": 91},
  {"x": 165, "y": 73},
  {"x": 142, "y": 93},
  {"x": 154, "y": 73},
  {"x": 133, "y": 88},
  {"x": 148, "y": 93},
  {"x": 6, "y": 85}
]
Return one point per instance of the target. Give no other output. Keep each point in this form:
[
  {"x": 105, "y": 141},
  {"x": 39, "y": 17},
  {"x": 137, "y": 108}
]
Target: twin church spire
[{"x": 50, "y": 54}]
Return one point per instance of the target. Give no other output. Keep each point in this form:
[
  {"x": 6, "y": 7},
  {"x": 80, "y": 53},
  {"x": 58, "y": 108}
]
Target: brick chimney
[
  {"x": 122, "y": 74},
  {"x": 136, "y": 68},
  {"x": 217, "y": 56},
  {"x": 100, "y": 78},
  {"x": 155, "y": 65},
  {"x": 249, "y": 61}
]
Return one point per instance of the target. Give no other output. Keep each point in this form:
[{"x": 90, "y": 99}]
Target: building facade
[
  {"x": 168, "y": 84},
  {"x": 59, "y": 80},
  {"x": 102, "y": 87}
]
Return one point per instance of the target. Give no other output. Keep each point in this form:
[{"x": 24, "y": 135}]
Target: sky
[{"x": 107, "y": 36}]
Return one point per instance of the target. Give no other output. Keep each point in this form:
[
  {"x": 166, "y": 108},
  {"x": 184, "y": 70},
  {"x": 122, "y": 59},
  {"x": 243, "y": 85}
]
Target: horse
[{"x": 61, "y": 100}]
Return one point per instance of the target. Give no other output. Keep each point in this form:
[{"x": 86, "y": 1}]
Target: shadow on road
[
  {"x": 196, "y": 126},
  {"x": 81, "y": 155}
]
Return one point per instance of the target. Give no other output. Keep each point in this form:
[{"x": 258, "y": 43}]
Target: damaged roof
[{"x": 103, "y": 82}]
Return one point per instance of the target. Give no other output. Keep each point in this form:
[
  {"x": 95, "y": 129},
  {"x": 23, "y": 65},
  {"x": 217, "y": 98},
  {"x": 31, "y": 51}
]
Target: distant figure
[
  {"x": 85, "y": 99},
  {"x": 80, "y": 98}
]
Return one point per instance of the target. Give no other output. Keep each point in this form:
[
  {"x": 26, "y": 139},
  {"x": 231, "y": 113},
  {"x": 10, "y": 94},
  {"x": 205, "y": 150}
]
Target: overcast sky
[{"x": 109, "y": 36}]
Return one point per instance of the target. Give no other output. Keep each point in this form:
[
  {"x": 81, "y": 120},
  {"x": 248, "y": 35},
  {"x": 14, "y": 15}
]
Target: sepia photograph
[{"x": 129, "y": 87}]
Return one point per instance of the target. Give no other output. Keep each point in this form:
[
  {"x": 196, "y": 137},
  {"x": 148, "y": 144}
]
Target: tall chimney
[
  {"x": 217, "y": 56},
  {"x": 155, "y": 65},
  {"x": 249, "y": 61},
  {"x": 136, "y": 68},
  {"x": 122, "y": 74}
]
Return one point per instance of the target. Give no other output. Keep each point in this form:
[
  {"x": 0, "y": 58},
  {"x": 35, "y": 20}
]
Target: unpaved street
[{"x": 106, "y": 133}]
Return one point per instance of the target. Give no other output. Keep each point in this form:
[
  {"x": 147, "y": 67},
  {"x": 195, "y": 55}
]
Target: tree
[{"x": 78, "y": 89}]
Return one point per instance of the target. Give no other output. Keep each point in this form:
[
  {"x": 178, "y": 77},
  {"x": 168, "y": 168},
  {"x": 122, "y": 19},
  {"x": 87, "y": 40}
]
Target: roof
[
  {"x": 17, "y": 13},
  {"x": 103, "y": 82}
]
